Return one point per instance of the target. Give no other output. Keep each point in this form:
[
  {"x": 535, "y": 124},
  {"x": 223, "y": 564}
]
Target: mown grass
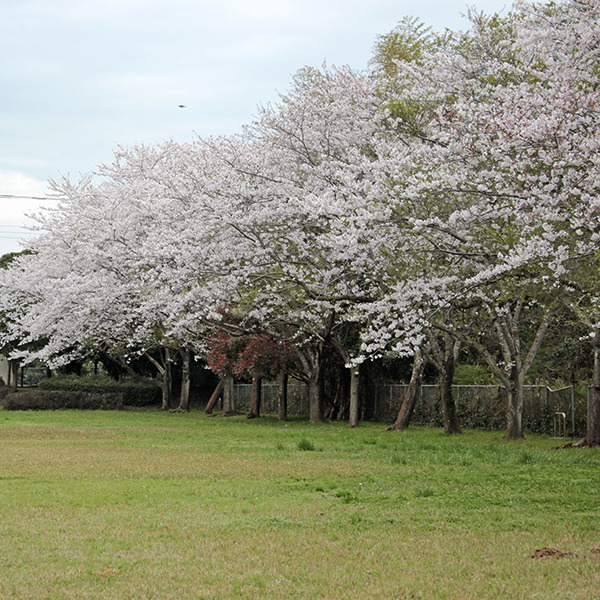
[{"x": 107, "y": 505}]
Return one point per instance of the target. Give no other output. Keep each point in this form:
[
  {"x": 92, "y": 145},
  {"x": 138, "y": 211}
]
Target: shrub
[
  {"x": 54, "y": 400},
  {"x": 134, "y": 393},
  {"x": 467, "y": 374},
  {"x": 305, "y": 445}
]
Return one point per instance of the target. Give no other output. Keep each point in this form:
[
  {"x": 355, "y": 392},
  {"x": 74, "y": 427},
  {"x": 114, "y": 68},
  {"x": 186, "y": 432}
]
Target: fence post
[
  {"x": 573, "y": 410},
  {"x": 588, "y": 404},
  {"x": 229, "y": 396},
  {"x": 375, "y": 415}
]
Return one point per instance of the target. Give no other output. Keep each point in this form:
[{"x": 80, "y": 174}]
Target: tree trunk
[
  {"x": 592, "y": 436},
  {"x": 354, "y": 388},
  {"x": 316, "y": 391},
  {"x": 228, "y": 399},
  {"x": 450, "y": 415},
  {"x": 514, "y": 407},
  {"x": 351, "y": 405},
  {"x": 507, "y": 324},
  {"x": 283, "y": 397},
  {"x": 164, "y": 369},
  {"x": 215, "y": 396},
  {"x": 412, "y": 394},
  {"x": 311, "y": 359},
  {"x": 184, "y": 398},
  {"x": 167, "y": 382},
  {"x": 255, "y": 398},
  {"x": 451, "y": 425}
]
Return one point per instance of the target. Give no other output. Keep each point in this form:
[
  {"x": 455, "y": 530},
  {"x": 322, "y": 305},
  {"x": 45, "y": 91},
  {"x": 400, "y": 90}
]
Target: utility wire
[
  {"x": 15, "y": 197},
  {"x": 15, "y": 232},
  {"x": 19, "y": 228}
]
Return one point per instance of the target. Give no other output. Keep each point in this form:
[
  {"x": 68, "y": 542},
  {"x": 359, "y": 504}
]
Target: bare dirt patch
[{"x": 552, "y": 553}]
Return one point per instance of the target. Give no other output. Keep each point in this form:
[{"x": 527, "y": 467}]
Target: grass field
[{"x": 151, "y": 505}]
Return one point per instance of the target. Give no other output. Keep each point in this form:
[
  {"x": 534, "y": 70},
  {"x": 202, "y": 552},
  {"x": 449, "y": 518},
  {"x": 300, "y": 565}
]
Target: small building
[
  {"x": 9, "y": 371},
  {"x": 4, "y": 369}
]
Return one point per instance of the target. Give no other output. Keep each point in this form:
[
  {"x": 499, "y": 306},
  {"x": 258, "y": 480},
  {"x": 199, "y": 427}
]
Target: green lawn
[{"x": 132, "y": 505}]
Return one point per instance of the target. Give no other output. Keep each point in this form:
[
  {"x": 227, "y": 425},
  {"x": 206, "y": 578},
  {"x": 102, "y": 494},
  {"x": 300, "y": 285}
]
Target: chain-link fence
[
  {"x": 557, "y": 412},
  {"x": 297, "y": 401},
  {"x": 31, "y": 375},
  {"x": 561, "y": 412}
]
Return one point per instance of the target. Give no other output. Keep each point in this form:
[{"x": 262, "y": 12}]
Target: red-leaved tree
[{"x": 249, "y": 356}]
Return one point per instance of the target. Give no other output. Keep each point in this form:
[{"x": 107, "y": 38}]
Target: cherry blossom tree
[
  {"x": 298, "y": 199},
  {"x": 503, "y": 173},
  {"x": 108, "y": 273}
]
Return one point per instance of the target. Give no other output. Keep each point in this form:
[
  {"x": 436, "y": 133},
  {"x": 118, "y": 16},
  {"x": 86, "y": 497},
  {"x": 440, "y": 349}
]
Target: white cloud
[
  {"x": 19, "y": 184},
  {"x": 16, "y": 202}
]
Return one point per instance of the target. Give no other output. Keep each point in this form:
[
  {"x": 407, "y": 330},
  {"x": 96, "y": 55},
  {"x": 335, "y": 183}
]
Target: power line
[
  {"x": 16, "y": 197},
  {"x": 17, "y": 232},
  {"x": 14, "y": 229},
  {"x": 23, "y": 227}
]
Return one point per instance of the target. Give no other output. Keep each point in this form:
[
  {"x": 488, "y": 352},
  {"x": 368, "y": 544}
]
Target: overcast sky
[{"x": 80, "y": 77}]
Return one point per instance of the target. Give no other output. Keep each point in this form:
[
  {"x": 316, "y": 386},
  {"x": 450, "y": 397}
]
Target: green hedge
[
  {"x": 134, "y": 393},
  {"x": 54, "y": 400}
]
